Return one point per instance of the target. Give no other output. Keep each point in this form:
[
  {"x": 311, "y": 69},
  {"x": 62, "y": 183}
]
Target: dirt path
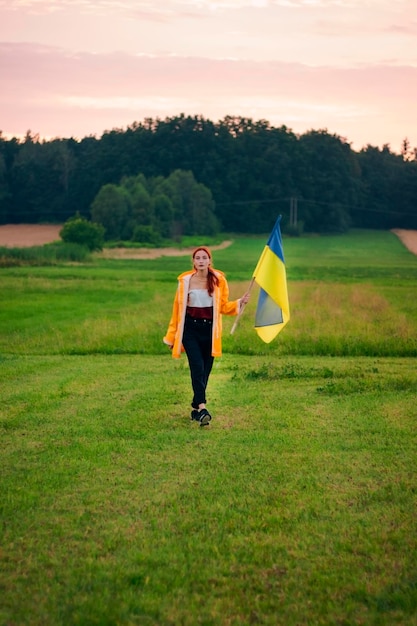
[{"x": 151, "y": 253}]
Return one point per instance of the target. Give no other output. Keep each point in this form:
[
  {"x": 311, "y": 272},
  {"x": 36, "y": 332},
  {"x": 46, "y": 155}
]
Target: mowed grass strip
[{"x": 297, "y": 505}]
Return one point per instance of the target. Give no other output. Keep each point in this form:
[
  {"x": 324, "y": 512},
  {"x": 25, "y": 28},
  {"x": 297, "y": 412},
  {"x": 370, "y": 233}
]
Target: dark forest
[{"x": 247, "y": 171}]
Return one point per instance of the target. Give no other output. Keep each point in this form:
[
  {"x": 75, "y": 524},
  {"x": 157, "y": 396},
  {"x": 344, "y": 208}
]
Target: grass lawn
[{"x": 296, "y": 506}]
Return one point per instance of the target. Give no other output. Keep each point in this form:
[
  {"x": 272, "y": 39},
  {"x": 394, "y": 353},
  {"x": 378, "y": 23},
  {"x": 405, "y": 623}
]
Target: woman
[{"x": 196, "y": 324}]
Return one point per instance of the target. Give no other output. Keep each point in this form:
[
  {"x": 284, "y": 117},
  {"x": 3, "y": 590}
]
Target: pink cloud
[
  {"x": 35, "y": 69},
  {"x": 59, "y": 93}
]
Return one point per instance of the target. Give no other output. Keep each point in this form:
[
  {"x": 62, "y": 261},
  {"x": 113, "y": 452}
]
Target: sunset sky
[{"x": 71, "y": 68}]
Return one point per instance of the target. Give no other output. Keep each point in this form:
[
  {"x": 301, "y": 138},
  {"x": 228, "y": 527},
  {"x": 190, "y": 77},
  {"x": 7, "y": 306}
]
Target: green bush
[
  {"x": 81, "y": 231},
  {"x": 146, "y": 234}
]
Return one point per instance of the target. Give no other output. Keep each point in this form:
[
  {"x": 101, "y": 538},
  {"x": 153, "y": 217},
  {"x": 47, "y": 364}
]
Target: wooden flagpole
[{"x": 242, "y": 308}]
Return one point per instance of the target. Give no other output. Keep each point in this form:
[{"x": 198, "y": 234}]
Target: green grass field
[{"x": 296, "y": 506}]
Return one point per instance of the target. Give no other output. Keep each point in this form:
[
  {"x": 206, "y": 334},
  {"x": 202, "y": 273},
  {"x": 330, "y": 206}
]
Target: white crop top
[{"x": 199, "y": 298}]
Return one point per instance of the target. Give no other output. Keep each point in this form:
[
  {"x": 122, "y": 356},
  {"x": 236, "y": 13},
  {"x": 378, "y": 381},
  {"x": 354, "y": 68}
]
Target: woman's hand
[{"x": 245, "y": 298}]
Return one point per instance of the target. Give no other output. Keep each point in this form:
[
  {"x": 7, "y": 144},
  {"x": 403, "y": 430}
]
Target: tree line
[{"x": 189, "y": 175}]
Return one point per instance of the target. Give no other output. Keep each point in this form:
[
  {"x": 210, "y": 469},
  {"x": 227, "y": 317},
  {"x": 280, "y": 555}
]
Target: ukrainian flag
[{"x": 273, "y": 310}]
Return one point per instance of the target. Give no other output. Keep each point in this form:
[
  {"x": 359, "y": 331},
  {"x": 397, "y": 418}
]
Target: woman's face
[{"x": 201, "y": 260}]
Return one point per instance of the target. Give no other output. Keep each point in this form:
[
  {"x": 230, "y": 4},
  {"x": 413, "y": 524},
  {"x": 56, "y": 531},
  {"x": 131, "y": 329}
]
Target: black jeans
[{"x": 197, "y": 345}]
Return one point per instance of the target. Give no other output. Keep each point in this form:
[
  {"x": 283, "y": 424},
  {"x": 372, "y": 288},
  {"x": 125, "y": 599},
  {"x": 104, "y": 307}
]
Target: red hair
[{"x": 212, "y": 280}]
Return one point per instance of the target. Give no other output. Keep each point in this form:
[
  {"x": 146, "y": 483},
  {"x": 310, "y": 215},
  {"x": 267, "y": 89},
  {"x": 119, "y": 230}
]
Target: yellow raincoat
[{"x": 221, "y": 306}]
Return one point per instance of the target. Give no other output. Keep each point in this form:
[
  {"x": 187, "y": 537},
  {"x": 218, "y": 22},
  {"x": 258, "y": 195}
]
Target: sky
[{"x": 74, "y": 68}]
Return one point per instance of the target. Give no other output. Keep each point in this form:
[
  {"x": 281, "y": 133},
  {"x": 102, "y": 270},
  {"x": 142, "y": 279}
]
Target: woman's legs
[{"x": 197, "y": 345}]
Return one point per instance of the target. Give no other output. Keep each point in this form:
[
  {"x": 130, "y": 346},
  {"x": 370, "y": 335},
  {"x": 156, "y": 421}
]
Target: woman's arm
[
  {"x": 228, "y": 307},
  {"x": 169, "y": 338}
]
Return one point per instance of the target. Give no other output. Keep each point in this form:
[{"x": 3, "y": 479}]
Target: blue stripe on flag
[{"x": 275, "y": 241}]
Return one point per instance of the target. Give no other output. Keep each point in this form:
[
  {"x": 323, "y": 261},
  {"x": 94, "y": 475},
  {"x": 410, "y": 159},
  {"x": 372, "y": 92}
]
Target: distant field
[
  {"x": 24, "y": 235},
  {"x": 295, "y": 506},
  {"x": 350, "y": 296}
]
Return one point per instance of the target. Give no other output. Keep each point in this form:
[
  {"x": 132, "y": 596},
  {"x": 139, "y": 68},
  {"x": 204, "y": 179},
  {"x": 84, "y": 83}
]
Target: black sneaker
[
  {"x": 195, "y": 415},
  {"x": 204, "y": 417}
]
